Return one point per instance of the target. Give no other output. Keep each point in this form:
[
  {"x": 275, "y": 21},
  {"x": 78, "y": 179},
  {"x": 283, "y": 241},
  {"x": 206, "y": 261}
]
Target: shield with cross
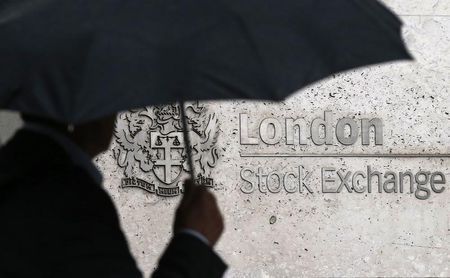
[{"x": 168, "y": 161}]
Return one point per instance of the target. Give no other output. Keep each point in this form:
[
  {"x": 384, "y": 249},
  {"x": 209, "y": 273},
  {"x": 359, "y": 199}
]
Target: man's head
[{"x": 93, "y": 137}]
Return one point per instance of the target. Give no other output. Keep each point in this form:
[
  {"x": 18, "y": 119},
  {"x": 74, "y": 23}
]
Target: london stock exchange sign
[
  {"x": 150, "y": 147},
  {"x": 327, "y": 131}
]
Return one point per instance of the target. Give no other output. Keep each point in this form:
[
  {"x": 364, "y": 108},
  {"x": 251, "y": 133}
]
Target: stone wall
[{"x": 298, "y": 230}]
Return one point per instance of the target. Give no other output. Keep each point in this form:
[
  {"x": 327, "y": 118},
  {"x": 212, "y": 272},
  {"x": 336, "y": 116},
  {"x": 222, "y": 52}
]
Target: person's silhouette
[{"x": 57, "y": 220}]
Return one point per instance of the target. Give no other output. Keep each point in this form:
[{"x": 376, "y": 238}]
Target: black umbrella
[{"x": 77, "y": 60}]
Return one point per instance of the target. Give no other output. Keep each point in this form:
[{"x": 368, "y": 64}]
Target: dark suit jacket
[{"x": 56, "y": 222}]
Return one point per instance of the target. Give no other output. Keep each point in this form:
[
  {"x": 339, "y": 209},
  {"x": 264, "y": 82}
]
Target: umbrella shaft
[{"x": 187, "y": 141}]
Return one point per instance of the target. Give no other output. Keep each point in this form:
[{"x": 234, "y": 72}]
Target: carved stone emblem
[{"x": 149, "y": 147}]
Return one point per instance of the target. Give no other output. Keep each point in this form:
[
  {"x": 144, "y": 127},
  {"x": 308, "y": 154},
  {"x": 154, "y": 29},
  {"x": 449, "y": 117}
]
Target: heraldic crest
[{"x": 150, "y": 147}]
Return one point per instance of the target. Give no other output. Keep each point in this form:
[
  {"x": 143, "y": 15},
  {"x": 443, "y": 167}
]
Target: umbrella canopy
[
  {"x": 76, "y": 60},
  {"x": 73, "y": 61}
]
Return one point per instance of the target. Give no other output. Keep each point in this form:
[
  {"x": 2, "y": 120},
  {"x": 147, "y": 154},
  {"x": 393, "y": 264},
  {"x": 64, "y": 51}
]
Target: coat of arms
[{"x": 150, "y": 147}]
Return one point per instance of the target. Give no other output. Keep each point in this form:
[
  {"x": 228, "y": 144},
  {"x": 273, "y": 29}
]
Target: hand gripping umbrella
[{"x": 77, "y": 60}]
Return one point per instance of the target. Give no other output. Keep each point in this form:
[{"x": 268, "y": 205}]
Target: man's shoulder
[
  {"x": 54, "y": 213},
  {"x": 30, "y": 155},
  {"x": 29, "y": 150},
  {"x": 34, "y": 167}
]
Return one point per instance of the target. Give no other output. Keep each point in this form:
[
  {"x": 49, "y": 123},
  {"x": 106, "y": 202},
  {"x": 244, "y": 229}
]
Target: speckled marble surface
[{"x": 316, "y": 234}]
